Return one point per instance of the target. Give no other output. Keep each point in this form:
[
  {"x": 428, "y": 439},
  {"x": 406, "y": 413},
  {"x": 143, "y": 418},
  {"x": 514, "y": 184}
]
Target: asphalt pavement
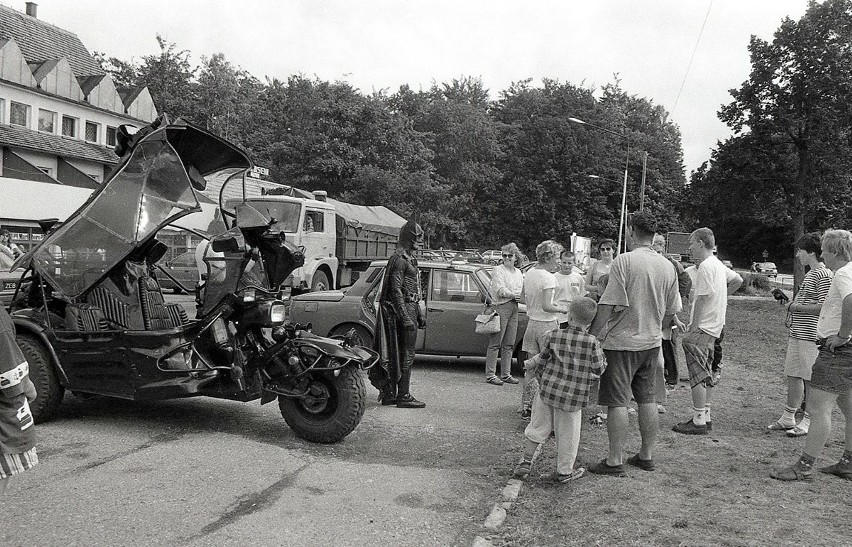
[{"x": 211, "y": 472}]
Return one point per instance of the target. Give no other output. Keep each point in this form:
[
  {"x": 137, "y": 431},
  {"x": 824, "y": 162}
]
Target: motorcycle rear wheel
[{"x": 332, "y": 411}]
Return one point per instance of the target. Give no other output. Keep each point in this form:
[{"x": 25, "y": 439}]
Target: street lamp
[{"x": 626, "y": 163}]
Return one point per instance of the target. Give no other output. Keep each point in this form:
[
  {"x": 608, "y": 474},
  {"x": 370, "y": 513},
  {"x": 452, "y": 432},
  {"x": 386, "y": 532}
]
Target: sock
[
  {"x": 789, "y": 416},
  {"x": 698, "y": 416},
  {"x": 806, "y": 462},
  {"x": 707, "y": 413},
  {"x": 806, "y": 422}
]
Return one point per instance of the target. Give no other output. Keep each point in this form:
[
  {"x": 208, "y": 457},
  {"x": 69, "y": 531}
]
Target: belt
[{"x": 409, "y": 300}]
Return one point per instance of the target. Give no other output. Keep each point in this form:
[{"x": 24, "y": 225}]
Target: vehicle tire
[
  {"x": 364, "y": 336},
  {"x": 43, "y": 376},
  {"x": 332, "y": 415},
  {"x": 320, "y": 282}
]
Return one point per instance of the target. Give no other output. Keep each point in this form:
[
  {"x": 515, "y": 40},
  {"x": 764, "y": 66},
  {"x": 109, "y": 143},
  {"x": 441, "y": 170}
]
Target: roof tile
[
  {"x": 40, "y": 41},
  {"x": 18, "y": 137}
]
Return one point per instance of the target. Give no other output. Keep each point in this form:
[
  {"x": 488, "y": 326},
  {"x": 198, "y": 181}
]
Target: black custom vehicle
[{"x": 92, "y": 318}]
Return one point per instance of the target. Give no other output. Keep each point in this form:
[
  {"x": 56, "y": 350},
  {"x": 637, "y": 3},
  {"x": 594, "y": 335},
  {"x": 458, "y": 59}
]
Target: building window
[
  {"x": 19, "y": 114},
  {"x": 110, "y": 136},
  {"x": 69, "y": 126},
  {"x": 92, "y": 130},
  {"x": 46, "y": 170},
  {"x": 2, "y": 110},
  {"x": 46, "y": 121}
]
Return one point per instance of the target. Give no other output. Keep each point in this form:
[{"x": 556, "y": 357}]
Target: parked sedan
[
  {"x": 766, "y": 268},
  {"x": 494, "y": 256},
  {"x": 454, "y": 294},
  {"x": 184, "y": 269}
]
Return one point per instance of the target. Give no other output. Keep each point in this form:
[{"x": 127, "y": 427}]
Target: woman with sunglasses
[
  {"x": 507, "y": 281},
  {"x": 606, "y": 254}
]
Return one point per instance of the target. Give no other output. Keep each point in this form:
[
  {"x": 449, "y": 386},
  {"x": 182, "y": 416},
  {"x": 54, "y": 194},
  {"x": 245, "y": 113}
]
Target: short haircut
[
  {"x": 705, "y": 236},
  {"x": 547, "y": 250},
  {"x": 603, "y": 242},
  {"x": 568, "y": 253},
  {"x": 810, "y": 243},
  {"x": 838, "y": 242},
  {"x": 643, "y": 223},
  {"x": 510, "y": 248},
  {"x": 583, "y": 310},
  {"x": 5, "y": 232}
]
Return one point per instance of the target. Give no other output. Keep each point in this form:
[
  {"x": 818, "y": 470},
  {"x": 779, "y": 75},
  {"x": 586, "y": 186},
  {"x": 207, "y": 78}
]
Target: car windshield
[
  {"x": 151, "y": 189},
  {"x": 285, "y": 212}
]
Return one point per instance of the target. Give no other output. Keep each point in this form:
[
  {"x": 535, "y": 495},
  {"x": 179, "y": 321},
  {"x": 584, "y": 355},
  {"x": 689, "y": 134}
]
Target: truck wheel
[
  {"x": 331, "y": 411},
  {"x": 364, "y": 338},
  {"x": 44, "y": 378},
  {"x": 320, "y": 282}
]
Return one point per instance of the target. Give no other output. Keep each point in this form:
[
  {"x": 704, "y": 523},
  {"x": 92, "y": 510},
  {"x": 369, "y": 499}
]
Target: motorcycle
[{"x": 92, "y": 319}]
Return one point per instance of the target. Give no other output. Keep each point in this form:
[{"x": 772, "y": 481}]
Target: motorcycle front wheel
[{"x": 331, "y": 410}]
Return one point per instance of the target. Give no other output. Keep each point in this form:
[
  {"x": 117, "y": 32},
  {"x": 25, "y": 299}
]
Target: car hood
[
  {"x": 153, "y": 185},
  {"x": 320, "y": 296}
]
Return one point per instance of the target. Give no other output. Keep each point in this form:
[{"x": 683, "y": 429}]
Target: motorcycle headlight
[
  {"x": 277, "y": 313},
  {"x": 249, "y": 295}
]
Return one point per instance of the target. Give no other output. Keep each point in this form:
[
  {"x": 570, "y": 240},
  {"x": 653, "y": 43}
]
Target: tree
[
  {"x": 170, "y": 79},
  {"x": 795, "y": 108}
]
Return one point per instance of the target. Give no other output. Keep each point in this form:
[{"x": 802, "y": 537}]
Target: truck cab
[{"x": 309, "y": 224}]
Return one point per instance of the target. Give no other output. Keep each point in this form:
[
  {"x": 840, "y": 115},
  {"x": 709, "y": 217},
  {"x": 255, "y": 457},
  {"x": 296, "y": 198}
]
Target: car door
[
  {"x": 454, "y": 299},
  {"x": 317, "y": 235}
]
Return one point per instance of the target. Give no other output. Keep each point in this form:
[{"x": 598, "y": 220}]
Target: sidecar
[{"x": 91, "y": 316}]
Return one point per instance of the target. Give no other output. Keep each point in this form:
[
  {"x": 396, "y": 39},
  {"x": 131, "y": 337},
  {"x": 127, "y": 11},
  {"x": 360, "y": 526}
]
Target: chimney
[
  {"x": 320, "y": 195},
  {"x": 32, "y": 9}
]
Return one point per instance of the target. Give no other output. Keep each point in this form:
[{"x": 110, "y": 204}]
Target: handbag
[{"x": 487, "y": 322}]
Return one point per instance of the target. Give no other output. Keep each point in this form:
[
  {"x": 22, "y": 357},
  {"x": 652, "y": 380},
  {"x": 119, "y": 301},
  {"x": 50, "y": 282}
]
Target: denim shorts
[{"x": 832, "y": 371}]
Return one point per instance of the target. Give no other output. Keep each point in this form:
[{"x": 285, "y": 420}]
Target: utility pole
[{"x": 642, "y": 186}]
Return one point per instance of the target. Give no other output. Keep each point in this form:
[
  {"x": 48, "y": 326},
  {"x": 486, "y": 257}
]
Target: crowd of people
[{"x": 632, "y": 318}]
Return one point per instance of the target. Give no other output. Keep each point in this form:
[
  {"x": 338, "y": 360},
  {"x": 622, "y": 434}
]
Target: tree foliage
[
  {"x": 786, "y": 169},
  {"x": 475, "y": 171}
]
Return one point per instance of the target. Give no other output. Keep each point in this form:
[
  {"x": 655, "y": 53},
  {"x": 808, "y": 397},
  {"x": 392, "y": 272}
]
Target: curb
[{"x": 508, "y": 495}]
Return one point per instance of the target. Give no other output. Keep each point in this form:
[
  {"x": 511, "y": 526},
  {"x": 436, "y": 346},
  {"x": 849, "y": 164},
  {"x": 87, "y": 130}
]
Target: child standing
[
  {"x": 570, "y": 285},
  {"x": 570, "y": 359}
]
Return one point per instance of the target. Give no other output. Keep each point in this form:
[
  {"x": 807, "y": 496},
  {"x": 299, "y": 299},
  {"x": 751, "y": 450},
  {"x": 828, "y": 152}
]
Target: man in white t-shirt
[
  {"x": 708, "y": 317},
  {"x": 831, "y": 377}
]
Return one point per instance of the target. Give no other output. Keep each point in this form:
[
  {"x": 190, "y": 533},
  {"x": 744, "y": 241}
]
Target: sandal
[
  {"x": 797, "y": 432},
  {"x": 522, "y": 469},
  {"x": 778, "y": 426},
  {"x": 839, "y": 469},
  {"x": 793, "y": 473},
  {"x": 598, "y": 419}
]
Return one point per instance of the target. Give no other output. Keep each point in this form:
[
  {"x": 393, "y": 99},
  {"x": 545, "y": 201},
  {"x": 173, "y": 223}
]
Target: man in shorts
[
  {"x": 640, "y": 297},
  {"x": 831, "y": 377},
  {"x": 708, "y": 317}
]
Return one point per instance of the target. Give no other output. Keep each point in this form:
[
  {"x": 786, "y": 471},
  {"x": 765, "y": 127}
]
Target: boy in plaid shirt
[{"x": 572, "y": 358}]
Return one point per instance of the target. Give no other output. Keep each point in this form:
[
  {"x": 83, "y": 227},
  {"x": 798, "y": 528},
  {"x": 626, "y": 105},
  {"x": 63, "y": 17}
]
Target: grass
[{"x": 707, "y": 490}]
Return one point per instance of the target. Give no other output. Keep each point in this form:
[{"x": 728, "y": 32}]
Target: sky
[{"x": 382, "y": 44}]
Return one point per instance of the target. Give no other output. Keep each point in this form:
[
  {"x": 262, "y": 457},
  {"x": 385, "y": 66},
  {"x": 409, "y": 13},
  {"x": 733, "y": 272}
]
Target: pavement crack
[
  {"x": 156, "y": 439},
  {"x": 248, "y": 504}
]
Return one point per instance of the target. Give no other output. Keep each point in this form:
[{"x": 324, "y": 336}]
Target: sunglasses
[
  {"x": 606, "y": 248},
  {"x": 508, "y": 256}
]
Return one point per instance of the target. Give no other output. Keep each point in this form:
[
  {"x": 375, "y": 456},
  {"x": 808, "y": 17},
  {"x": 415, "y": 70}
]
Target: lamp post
[{"x": 626, "y": 163}]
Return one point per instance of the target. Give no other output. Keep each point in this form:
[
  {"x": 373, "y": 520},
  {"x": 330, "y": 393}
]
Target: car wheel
[
  {"x": 362, "y": 335},
  {"x": 320, "y": 282},
  {"x": 43, "y": 376}
]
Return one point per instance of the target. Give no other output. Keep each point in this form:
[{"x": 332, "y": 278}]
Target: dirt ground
[{"x": 707, "y": 490}]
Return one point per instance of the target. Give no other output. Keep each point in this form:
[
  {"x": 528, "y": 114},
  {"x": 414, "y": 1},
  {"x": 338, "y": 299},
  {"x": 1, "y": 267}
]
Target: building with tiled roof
[{"x": 59, "y": 113}]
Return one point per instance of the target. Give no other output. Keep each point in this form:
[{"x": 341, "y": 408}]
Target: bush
[{"x": 753, "y": 284}]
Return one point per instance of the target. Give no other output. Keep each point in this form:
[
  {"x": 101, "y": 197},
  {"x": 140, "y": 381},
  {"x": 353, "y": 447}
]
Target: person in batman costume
[{"x": 399, "y": 317}]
